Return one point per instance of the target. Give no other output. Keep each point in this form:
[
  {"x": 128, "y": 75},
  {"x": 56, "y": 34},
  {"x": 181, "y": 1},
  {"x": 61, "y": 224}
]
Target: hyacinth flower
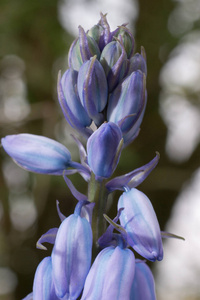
[
  {"x": 104, "y": 148},
  {"x": 103, "y": 98},
  {"x": 93, "y": 89},
  {"x": 71, "y": 255},
  {"x": 39, "y": 154},
  {"x": 112, "y": 273},
  {"x": 143, "y": 286},
  {"x": 140, "y": 222}
]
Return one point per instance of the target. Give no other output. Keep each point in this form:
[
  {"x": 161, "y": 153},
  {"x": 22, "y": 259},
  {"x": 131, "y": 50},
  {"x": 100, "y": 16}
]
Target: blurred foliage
[{"x": 31, "y": 31}]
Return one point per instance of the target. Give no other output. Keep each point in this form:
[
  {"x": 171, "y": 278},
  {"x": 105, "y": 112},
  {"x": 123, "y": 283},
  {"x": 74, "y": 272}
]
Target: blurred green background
[{"x": 34, "y": 41}]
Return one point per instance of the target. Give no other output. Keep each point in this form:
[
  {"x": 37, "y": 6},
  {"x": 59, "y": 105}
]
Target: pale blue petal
[{"x": 37, "y": 153}]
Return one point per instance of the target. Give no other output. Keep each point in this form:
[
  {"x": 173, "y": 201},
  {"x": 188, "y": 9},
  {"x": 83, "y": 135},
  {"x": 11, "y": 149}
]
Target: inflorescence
[{"x": 103, "y": 88}]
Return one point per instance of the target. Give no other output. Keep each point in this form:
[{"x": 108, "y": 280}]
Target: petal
[
  {"x": 48, "y": 237},
  {"x": 134, "y": 178},
  {"x": 43, "y": 287},
  {"x": 140, "y": 221},
  {"x": 37, "y": 153}
]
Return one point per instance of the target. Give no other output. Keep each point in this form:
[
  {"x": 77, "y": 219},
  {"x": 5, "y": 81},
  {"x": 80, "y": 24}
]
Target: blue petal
[
  {"x": 134, "y": 178},
  {"x": 71, "y": 256},
  {"x": 111, "y": 275},
  {"x": 48, "y": 237},
  {"x": 43, "y": 286},
  {"x": 37, "y": 153},
  {"x": 143, "y": 287},
  {"x": 140, "y": 221}
]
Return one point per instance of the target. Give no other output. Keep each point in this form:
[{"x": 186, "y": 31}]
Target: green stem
[{"x": 97, "y": 193}]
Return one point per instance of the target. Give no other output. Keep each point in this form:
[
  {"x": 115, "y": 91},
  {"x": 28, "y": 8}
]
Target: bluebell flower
[
  {"x": 127, "y": 103},
  {"x": 140, "y": 222},
  {"x": 111, "y": 275},
  {"x": 104, "y": 148},
  {"x": 114, "y": 61},
  {"x": 93, "y": 89},
  {"x": 82, "y": 50},
  {"x": 43, "y": 285},
  {"x": 143, "y": 287},
  {"x": 71, "y": 255},
  {"x": 37, "y": 153},
  {"x": 137, "y": 62},
  {"x": 70, "y": 103}
]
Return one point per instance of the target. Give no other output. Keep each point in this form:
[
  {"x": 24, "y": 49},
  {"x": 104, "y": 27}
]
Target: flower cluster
[{"x": 105, "y": 86}]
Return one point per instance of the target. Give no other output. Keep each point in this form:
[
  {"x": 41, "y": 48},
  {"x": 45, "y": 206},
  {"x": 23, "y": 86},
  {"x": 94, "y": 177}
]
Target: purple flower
[
  {"x": 43, "y": 286},
  {"x": 140, "y": 222},
  {"x": 127, "y": 104},
  {"x": 70, "y": 103},
  {"x": 82, "y": 50},
  {"x": 143, "y": 286},
  {"x": 104, "y": 148},
  {"x": 114, "y": 61},
  {"x": 37, "y": 153},
  {"x": 71, "y": 256},
  {"x": 93, "y": 89},
  {"x": 111, "y": 275}
]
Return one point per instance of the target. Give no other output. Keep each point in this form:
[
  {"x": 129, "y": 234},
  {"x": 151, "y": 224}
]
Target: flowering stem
[{"x": 97, "y": 193}]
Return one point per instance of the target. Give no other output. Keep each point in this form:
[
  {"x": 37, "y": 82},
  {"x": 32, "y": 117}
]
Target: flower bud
[
  {"x": 71, "y": 256},
  {"x": 70, "y": 103},
  {"x": 127, "y": 39},
  {"x": 104, "y": 148},
  {"x": 127, "y": 103},
  {"x": 111, "y": 275},
  {"x": 143, "y": 287},
  {"x": 43, "y": 286},
  {"x": 137, "y": 62},
  {"x": 37, "y": 153},
  {"x": 140, "y": 222},
  {"x": 93, "y": 89},
  {"x": 82, "y": 49},
  {"x": 114, "y": 61}
]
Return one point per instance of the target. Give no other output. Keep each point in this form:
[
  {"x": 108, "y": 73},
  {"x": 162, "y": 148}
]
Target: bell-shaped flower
[
  {"x": 143, "y": 287},
  {"x": 93, "y": 89},
  {"x": 82, "y": 50},
  {"x": 70, "y": 103},
  {"x": 37, "y": 153},
  {"x": 111, "y": 275},
  {"x": 104, "y": 149},
  {"x": 43, "y": 285},
  {"x": 127, "y": 103},
  {"x": 71, "y": 255},
  {"x": 140, "y": 222},
  {"x": 114, "y": 61}
]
